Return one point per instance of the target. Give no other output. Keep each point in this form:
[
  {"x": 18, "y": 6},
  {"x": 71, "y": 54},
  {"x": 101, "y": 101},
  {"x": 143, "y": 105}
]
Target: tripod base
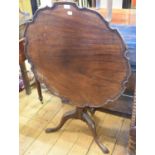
[{"x": 82, "y": 114}]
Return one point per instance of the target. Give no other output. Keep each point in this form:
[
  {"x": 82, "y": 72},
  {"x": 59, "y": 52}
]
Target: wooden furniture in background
[
  {"x": 120, "y": 16},
  {"x": 79, "y": 58},
  {"x": 23, "y": 69},
  {"x": 23, "y": 18},
  {"x": 22, "y": 59}
]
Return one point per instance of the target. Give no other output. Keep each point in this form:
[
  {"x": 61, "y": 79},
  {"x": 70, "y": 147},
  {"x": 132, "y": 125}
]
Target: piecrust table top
[{"x": 77, "y": 55}]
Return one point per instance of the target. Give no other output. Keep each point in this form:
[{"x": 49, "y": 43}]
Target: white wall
[
  {"x": 116, "y": 3},
  {"x": 45, "y": 3}
]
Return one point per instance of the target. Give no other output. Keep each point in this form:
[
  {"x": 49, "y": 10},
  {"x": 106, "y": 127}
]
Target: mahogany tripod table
[{"x": 75, "y": 53}]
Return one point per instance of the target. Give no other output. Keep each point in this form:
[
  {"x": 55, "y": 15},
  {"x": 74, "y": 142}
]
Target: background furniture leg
[
  {"x": 25, "y": 78},
  {"x": 39, "y": 90}
]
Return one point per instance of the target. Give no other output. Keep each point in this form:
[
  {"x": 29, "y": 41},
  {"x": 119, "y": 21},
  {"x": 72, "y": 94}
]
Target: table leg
[{"x": 82, "y": 114}]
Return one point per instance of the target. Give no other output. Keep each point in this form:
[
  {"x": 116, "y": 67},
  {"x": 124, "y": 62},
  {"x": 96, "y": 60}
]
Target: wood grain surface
[{"x": 75, "y": 53}]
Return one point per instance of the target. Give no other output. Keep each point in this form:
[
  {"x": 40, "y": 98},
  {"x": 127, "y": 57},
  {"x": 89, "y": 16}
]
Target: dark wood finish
[
  {"x": 122, "y": 106},
  {"x": 22, "y": 56},
  {"x": 131, "y": 84},
  {"x": 22, "y": 59},
  {"x": 77, "y": 56},
  {"x": 26, "y": 81},
  {"x": 39, "y": 90},
  {"x": 82, "y": 114}
]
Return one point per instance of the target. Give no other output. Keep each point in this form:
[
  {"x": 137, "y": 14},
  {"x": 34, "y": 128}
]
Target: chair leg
[
  {"x": 39, "y": 90},
  {"x": 25, "y": 78}
]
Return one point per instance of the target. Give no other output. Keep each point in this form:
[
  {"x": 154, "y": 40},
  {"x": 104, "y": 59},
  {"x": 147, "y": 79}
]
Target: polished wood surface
[
  {"x": 122, "y": 106},
  {"x": 77, "y": 55}
]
